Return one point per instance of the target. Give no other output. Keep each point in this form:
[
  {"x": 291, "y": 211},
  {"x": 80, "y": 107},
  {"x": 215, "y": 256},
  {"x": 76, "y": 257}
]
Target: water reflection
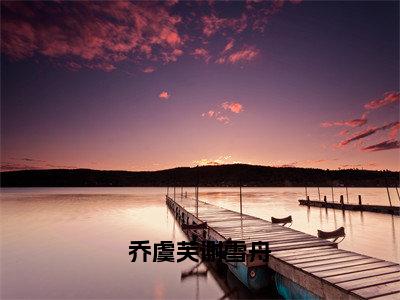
[
  {"x": 73, "y": 242},
  {"x": 231, "y": 287}
]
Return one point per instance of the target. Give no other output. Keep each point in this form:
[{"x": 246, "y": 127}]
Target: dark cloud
[
  {"x": 365, "y": 133},
  {"x": 386, "y": 145}
]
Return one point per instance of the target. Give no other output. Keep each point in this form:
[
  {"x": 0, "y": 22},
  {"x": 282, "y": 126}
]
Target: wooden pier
[
  {"x": 313, "y": 263},
  {"x": 392, "y": 210}
]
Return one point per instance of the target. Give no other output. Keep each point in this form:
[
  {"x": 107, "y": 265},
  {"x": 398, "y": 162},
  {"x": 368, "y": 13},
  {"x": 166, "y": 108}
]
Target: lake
[{"x": 73, "y": 242}]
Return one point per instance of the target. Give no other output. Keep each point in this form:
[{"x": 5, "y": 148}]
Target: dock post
[
  {"x": 390, "y": 200},
  {"x": 359, "y": 200},
  {"x": 319, "y": 195},
  {"x": 333, "y": 198},
  {"x": 325, "y": 199},
  {"x": 342, "y": 201},
  {"x": 397, "y": 191},
  {"x": 197, "y": 190},
  {"x": 308, "y": 201},
  {"x": 240, "y": 189},
  {"x": 197, "y": 201},
  {"x": 306, "y": 192},
  {"x": 347, "y": 195}
]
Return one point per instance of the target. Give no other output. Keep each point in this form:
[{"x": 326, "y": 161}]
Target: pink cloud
[
  {"x": 72, "y": 66},
  {"x": 247, "y": 53},
  {"x": 394, "y": 131},
  {"x": 235, "y": 107},
  {"x": 149, "y": 69},
  {"x": 350, "y": 123},
  {"x": 202, "y": 53},
  {"x": 388, "y": 98},
  {"x": 105, "y": 66},
  {"x": 213, "y": 162},
  {"x": 221, "y": 60},
  {"x": 343, "y": 132},
  {"x": 261, "y": 14},
  {"x": 228, "y": 46},
  {"x": 394, "y": 127},
  {"x": 386, "y": 145},
  {"x": 212, "y": 24},
  {"x": 164, "y": 95},
  {"x": 103, "y": 35},
  {"x": 368, "y": 132},
  {"x": 92, "y": 34},
  {"x": 211, "y": 114},
  {"x": 223, "y": 119}
]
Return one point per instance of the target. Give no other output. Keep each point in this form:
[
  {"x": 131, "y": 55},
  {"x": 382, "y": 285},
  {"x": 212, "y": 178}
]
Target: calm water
[{"x": 73, "y": 242}]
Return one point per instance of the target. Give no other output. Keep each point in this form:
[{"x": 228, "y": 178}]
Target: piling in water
[
  {"x": 342, "y": 201},
  {"x": 390, "y": 200},
  {"x": 240, "y": 189}
]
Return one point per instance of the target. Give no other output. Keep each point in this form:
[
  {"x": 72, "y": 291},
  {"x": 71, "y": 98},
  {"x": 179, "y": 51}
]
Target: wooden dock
[
  {"x": 392, "y": 210},
  {"x": 313, "y": 263}
]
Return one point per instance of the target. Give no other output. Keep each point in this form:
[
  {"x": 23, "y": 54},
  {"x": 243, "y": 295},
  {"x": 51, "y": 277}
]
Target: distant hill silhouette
[{"x": 223, "y": 175}]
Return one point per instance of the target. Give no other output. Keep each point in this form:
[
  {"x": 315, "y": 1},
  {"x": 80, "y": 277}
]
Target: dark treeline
[{"x": 224, "y": 175}]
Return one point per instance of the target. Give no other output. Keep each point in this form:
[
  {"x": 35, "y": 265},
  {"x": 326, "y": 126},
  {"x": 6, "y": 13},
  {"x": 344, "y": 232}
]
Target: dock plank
[
  {"x": 333, "y": 261},
  {"x": 371, "y": 281},
  {"x": 291, "y": 253},
  {"x": 352, "y": 269},
  {"x": 280, "y": 240},
  {"x": 394, "y": 296},
  {"x": 312, "y": 254},
  {"x": 361, "y": 261},
  {"x": 303, "y": 243},
  {"x": 293, "y": 247},
  {"x": 364, "y": 274},
  {"x": 325, "y": 257},
  {"x": 379, "y": 290}
]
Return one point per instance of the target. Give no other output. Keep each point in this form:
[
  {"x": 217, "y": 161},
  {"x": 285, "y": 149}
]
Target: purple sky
[{"x": 147, "y": 85}]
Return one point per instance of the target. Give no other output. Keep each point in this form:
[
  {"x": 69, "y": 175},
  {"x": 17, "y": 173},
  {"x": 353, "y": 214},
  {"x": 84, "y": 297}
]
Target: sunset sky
[{"x": 154, "y": 85}]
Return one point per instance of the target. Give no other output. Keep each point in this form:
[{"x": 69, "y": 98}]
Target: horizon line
[{"x": 199, "y": 166}]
